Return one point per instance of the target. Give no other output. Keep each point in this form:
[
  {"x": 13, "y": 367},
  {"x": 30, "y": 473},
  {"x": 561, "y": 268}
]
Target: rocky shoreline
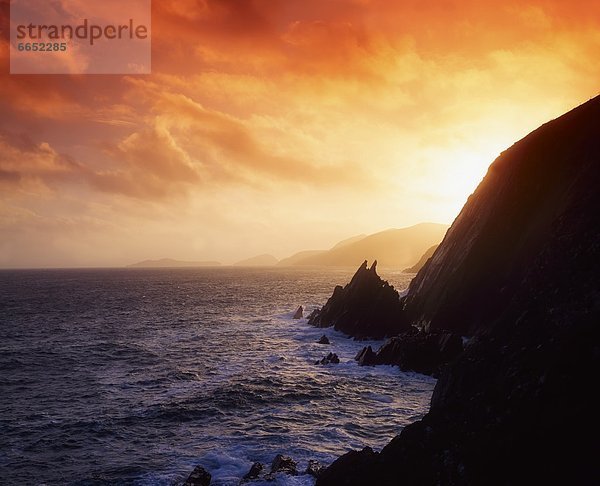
[
  {"x": 369, "y": 307},
  {"x": 517, "y": 275},
  {"x": 258, "y": 471},
  {"x": 506, "y": 314}
]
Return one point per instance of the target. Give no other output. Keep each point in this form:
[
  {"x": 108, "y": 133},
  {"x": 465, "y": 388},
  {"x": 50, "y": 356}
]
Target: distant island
[{"x": 170, "y": 263}]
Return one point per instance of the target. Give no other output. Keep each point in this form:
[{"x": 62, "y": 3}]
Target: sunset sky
[{"x": 272, "y": 126}]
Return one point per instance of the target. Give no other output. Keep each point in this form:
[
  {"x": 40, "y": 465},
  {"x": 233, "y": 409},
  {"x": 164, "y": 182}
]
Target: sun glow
[{"x": 260, "y": 121}]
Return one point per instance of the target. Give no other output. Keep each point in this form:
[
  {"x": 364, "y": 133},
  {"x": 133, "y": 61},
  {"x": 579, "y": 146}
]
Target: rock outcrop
[
  {"x": 314, "y": 468},
  {"x": 198, "y": 477},
  {"x": 299, "y": 313},
  {"x": 331, "y": 358},
  {"x": 415, "y": 350},
  {"x": 323, "y": 340},
  {"x": 366, "y": 357},
  {"x": 254, "y": 473},
  {"x": 518, "y": 271},
  {"x": 313, "y": 315},
  {"x": 368, "y": 307},
  {"x": 283, "y": 464}
]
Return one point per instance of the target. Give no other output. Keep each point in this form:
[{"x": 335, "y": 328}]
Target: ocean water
[{"x": 134, "y": 376}]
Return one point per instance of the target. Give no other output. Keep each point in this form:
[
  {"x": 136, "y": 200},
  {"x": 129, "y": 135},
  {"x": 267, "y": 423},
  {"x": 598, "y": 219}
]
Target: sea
[{"x": 135, "y": 376}]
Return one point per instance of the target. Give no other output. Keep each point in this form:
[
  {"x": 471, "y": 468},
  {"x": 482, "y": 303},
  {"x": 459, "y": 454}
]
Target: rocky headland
[
  {"x": 506, "y": 314},
  {"x": 516, "y": 280}
]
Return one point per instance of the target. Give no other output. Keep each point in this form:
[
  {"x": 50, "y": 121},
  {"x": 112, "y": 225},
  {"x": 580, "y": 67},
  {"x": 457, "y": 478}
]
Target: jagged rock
[
  {"x": 331, "y": 358},
  {"x": 323, "y": 340},
  {"x": 314, "y": 468},
  {"x": 283, "y": 464},
  {"x": 299, "y": 313},
  {"x": 366, "y": 357},
  {"x": 518, "y": 273},
  {"x": 198, "y": 477},
  {"x": 368, "y": 307},
  {"x": 254, "y": 473}
]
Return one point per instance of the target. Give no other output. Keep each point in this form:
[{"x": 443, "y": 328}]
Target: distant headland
[{"x": 399, "y": 248}]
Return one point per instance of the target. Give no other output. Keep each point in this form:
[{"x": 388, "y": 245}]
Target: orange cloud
[
  {"x": 346, "y": 115},
  {"x": 25, "y": 165}
]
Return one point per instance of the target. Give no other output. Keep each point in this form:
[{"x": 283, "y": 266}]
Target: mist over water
[{"x": 130, "y": 376}]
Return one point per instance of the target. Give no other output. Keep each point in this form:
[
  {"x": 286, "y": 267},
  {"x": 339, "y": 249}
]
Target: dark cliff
[
  {"x": 513, "y": 215},
  {"x": 518, "y": 271}
]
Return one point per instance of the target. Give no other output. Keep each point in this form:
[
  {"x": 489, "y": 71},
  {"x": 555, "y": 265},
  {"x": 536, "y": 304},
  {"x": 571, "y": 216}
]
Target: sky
[{"x": 273, "y": 126}]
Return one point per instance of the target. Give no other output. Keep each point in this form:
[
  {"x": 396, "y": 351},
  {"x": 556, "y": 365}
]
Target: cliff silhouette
[{"x": 517, "y": 276}]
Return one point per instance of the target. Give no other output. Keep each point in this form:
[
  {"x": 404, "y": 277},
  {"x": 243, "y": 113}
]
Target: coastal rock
[
  {"x": 331, "y": 358},
  {"x": 254, "y": 473},
  {"x": 415, "y": 350},
  {"x": 283, "y": 464},
  {"x": 314, "y": 468},
  {"x": 299, "y": 313},
  {"x": 366, "y": 357},
  {"x": 420, "y": 351},
  {"x": 313, "y": 315},
  {"x": 198, "y": 477},
  {"x": 323, "y": 340},
  {"x": 367, "y": 307},
  {"x": 518, "y": 273}
]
